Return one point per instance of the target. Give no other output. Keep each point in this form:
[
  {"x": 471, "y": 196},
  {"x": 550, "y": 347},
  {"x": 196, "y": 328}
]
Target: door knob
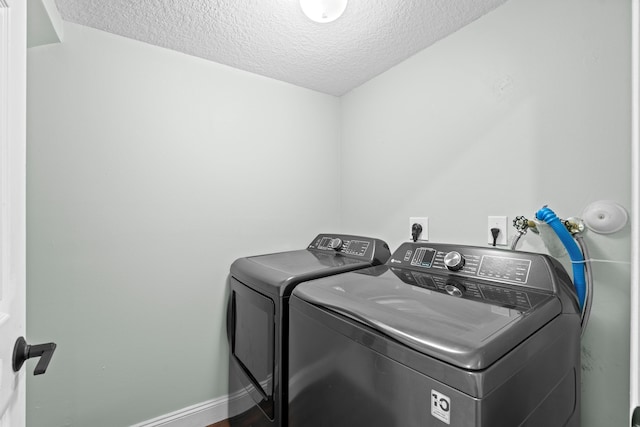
[{"x": 23, "y": 351}]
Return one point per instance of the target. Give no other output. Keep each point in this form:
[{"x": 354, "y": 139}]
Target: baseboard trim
[{"x": 201, "y": 414}]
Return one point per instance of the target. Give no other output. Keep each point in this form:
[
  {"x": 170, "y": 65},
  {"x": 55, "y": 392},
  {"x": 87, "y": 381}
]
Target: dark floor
[{"x": 251, "y": 417}]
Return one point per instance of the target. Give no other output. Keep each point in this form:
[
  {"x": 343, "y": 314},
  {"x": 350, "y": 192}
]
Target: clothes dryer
[
  {"x": 257, "y": 319},
  {"x": 442, "y": 335}
]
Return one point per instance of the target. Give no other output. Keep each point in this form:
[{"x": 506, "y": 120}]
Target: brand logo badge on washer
[{"x": 440, "y": 406}]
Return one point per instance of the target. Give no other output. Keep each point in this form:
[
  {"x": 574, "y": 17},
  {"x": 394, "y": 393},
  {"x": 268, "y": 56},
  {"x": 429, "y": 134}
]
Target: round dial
[
  {"x": 335, "y": 244},
  {"x": 454, "y": 261}
]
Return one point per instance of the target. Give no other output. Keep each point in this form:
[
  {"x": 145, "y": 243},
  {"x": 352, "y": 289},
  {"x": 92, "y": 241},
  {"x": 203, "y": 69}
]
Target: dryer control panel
[
  {"x": 512, "y": 267},
  {"x": 358, "y": 247}
]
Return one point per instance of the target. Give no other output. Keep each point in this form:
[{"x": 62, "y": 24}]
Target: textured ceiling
[{"x": 275, "y": 39}]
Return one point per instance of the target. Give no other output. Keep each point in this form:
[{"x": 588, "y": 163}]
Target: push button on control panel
[
  {"x": 511, "y": 269},
  {"x": 355, "y": 247},
  {"x": 423, "y": 257}
]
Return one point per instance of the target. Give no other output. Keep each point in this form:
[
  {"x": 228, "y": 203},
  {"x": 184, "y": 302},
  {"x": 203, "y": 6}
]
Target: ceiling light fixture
[{"x": 323, "y": 11}]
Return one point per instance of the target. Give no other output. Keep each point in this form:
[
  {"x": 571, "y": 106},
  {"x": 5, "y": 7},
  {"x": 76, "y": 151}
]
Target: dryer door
[{"x": 251, "y": 337}]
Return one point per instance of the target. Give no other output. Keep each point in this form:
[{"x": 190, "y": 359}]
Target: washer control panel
[{"x": 522, "y": 268}]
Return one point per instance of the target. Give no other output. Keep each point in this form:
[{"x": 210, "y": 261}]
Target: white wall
[
  {"x": 149, "y": 172},
  {"x": 529, "y": 105},
  {"x": 44, "y": 23}
]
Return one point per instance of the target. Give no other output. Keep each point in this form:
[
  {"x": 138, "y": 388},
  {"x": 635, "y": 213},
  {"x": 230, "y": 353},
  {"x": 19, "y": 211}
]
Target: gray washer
[{"x": 413, "y": 343}]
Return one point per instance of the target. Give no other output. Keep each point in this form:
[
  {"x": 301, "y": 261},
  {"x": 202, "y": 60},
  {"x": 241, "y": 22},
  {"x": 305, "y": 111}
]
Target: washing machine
[
  {"x": 442, "y": 335},
  {"x": 257, "y": 318}
]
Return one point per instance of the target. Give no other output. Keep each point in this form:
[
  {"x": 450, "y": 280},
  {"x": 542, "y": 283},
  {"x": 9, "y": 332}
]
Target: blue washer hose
[{"x": 547, "y": 215}]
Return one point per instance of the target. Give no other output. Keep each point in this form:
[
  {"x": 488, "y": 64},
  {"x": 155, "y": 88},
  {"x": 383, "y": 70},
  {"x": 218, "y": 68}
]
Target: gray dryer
[{"x": 258, "y": 322}]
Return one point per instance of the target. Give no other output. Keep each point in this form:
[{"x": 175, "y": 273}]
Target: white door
[{"x": 13, "y": 50}]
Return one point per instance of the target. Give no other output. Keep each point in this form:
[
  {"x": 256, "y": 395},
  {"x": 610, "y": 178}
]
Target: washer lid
[{"x": 471, "y": 328}]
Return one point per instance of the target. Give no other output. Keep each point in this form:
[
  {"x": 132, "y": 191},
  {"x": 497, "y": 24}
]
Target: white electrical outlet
[
  {"x": 499, "y": 222},
  {"x": 424, "y": 222}
]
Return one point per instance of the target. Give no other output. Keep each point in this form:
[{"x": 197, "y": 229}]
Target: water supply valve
[
  {"x": 574, "y": 225},
  {"x": 521, "y": 224}
]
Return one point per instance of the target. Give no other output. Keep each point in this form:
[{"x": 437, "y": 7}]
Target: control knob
[
  {"x": 335, "y": 244},
  {"x": 454, "y": 260}
]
